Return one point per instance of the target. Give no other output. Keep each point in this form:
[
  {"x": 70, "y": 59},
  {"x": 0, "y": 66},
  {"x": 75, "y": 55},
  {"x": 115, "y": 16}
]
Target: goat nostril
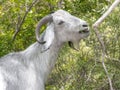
[{"x": 85, "y": 25}]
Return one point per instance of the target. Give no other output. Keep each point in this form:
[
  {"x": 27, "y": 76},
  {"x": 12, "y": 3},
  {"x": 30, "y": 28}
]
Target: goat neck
[{"x": 43, "y": 62}]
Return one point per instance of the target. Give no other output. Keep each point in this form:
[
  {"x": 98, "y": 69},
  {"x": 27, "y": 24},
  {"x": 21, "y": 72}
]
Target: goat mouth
[
  {"x": 84, "y": 31},
  {"x": 74, "y": 45}
]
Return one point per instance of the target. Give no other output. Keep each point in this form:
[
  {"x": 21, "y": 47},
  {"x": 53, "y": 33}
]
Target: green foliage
[{"x": 74, "y": 70}]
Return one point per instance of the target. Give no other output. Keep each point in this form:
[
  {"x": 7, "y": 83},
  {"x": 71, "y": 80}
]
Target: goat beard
[{"x": 74, "y": 45}]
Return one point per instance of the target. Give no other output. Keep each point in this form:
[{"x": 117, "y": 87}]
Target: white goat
[{"x": 29, "y": 69}]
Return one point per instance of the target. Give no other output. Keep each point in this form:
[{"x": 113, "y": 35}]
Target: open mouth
[
  {"x": 84, "y": 31},
  {"x": 74, "y": 45}
]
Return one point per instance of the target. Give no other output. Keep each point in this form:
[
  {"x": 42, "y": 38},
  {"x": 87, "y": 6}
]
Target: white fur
[
  {"x": 2, "y": 82},
  {"x": 31, "y": 77},
  {"x": 29, "y": 69},
  {"x": 49, "y": 37}
]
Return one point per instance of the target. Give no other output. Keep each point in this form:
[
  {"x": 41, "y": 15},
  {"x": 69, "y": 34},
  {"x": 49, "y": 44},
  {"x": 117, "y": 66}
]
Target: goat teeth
[{"x": 84, "y": 31}]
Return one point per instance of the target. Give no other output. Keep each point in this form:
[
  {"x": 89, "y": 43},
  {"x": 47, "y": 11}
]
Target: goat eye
[{"x": 61, "y": 22}]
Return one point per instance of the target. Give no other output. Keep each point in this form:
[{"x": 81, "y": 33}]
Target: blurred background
[{"x": 74, "y": 70}]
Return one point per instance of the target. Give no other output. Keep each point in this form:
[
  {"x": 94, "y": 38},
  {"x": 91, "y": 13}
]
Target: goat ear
[{"x": 48, "y": 37}]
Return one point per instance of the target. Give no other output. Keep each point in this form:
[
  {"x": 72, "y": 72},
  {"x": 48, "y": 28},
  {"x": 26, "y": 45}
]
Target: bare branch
[
  {"x": 100, "y": 20},
  {"x": 90, "y": 72},
  {"x": 51, "y": 7},
  {"x": 60, "y": 4},
  {"x": 112, "y": 59},
  {"x": 106, "y": 71},
  {"x": 112, "y": 7},
  {"x": 19, "y": 24},
  {"x": 95, "y": 26}
]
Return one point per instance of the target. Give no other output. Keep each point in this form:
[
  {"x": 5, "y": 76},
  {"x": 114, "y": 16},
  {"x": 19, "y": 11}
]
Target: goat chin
[{"x": 29, "y": 69}]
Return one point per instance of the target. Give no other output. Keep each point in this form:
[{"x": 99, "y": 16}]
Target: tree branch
[
  {"x": 100, "y": 20},
  {"x": 95, "y": 26},
  {"x": 19, "y": 24},
  {"x": 51, "y": 7},
  {"x": 60, "y": 4}
]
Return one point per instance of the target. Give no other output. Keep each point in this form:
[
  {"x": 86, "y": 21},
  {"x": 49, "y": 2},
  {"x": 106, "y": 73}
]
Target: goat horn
[{"x": 43, "y": 21}]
